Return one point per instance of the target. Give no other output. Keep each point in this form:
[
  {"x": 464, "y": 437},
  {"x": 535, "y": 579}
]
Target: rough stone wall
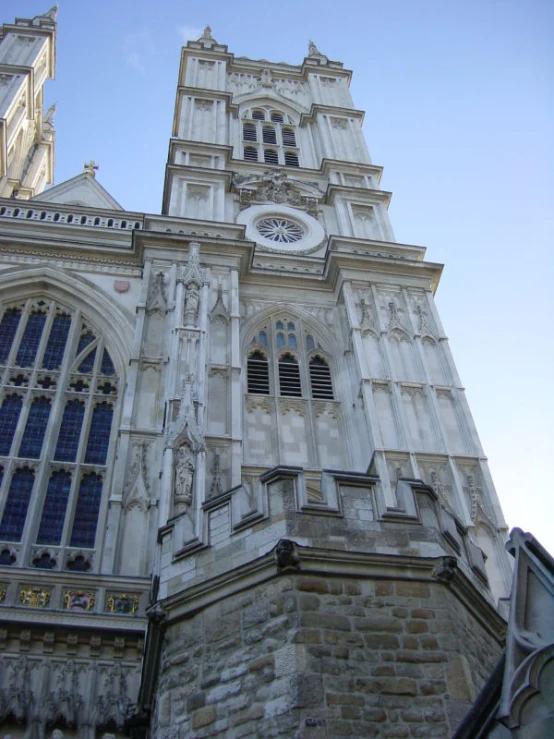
[{"x": 312, "y": 657}]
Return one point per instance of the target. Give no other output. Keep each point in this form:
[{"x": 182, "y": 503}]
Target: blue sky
[{"x": 459, "y": 105}]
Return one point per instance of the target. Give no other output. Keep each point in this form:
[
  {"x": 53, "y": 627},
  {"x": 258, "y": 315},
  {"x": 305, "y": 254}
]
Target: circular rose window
[{"x": 280, "y": 230}]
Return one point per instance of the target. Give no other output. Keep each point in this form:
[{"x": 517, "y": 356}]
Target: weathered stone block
[{"x": 203, "y": 717}]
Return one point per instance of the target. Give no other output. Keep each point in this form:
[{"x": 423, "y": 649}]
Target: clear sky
[{"x": 459, "y": 102}]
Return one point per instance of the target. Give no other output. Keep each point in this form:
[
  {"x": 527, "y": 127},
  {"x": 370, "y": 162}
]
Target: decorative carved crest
[
  {"x": 276, "y": 187},
  {"x": 191, "y": 271}
]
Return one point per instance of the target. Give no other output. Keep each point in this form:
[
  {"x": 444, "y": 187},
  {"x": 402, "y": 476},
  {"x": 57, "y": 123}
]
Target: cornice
[
  {"x": 335, "y": 563},
  {"x": 356, "y": 167},
  {"x": 204, "y": 93},
  {"x": 381, "y": 196},
  {"x": 333, "y": 110}
]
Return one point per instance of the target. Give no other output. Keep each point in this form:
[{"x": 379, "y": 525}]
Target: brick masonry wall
[{"x": 312, "y": 657}]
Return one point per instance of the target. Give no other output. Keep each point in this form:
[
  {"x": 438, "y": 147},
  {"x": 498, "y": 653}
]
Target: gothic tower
[
  {"x": 235, "y": 428},
  {"x": 27, "y": 60}
]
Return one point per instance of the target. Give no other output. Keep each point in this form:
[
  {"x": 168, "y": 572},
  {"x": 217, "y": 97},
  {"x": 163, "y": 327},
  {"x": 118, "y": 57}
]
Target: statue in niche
[
  {"x": 192, "y": 300},
  {"x": 184, "y": 475}
]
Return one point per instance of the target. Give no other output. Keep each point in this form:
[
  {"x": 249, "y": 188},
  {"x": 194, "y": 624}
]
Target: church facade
[{"x": 242, "y": 492}]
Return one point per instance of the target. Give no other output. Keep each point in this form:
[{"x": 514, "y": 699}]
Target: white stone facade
[{"x": 266, "y": 329}]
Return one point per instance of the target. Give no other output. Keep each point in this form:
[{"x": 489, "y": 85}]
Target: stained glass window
[
  {"x": 107, "y": 367},
  {"x": 9, "y": 415},
  {"x": 70, "y": 431},
  {"x": 55, "y": 504},
  {"x": 86, "y": 513},
  {"x": 40, "y": 335},
  {"x": 8, "y": 327},
  {"x": 53, "y": 354},
  {"x": 15, "y": 511},
  {"x": 31, "y": 339},
  {"x": 37, "y": 420},
  {"x": 99, "y": 434}
]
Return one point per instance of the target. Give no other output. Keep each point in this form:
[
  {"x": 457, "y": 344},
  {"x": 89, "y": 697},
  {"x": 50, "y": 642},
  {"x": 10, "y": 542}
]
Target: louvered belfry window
[
  {"x": 274, "y": 136},
  {"x": 287, "y": 361},
  {"x": 58, "y": 391}
]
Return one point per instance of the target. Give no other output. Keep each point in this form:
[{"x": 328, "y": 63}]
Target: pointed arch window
[
  {"x": 58, "y": 391},
  {"x": 258, "y": 374},
  {"x": 320, "y": 379},
  {"x": 291, "y": 361},
  {"x": 274, "y": 134}
]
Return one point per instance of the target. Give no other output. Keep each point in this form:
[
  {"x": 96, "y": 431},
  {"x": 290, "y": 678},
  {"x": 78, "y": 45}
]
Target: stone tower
[
  {"x": 27, "y": 60},
  {"x": 235, "y": 428},
  {"x": 331, "y": 544}
]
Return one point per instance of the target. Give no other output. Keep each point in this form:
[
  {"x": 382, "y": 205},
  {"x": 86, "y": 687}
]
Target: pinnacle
[{"x": 52, "y": 13}]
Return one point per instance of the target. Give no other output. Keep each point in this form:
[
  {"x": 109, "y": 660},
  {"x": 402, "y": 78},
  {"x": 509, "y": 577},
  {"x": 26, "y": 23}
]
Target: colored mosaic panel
[
  {"x": 9, "y": 416},
  {"x": 53, "y": 354},
  {"x": 70, "y": 431},
  {"x": 122, "y": 603},
  {"x": 99, "y": 434},
  {"x": 34, "y": 597}
]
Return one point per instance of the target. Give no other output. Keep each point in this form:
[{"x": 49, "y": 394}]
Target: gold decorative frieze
[{"x": 34, "y": 597}]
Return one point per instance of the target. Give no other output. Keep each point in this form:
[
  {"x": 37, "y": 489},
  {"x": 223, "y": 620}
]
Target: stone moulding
[{"x": 335, "y": 563}]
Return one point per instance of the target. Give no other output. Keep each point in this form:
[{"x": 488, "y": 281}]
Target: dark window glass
[
  {"x": 320, "y": 379},
  {"x": 17, "y": 503},
  {"x": 292, "y": 341},
  {"x": 84, "y": 340},
  {"x": 37, "y": 420},
  {"x": 258, "y": 115},
  {"x": 289, "y": 139},
  {"x": 87, "y": 365},
  {"x": 270, "y": 156},
  {"x": 86, "y": 513},
  {"x": 9, "y": 416},
  {"x": 249, "y": 132},
  {"x": 107, "y": 367},
  {"x": 8, "y": 327},
  {"x": 250, "y": 154},
  {"x": 53, "y": 354},
  {"x": 280, "y": 341},
  {"x": 262, "y": 338},
  {"x": 99, "y": 434},
  {"x": 55, "y": 504},
  {"x": 291, "y": 159},
  {"x": 310, "y": 343},
  {"x": 258, "y": 374},
  {"x": 289, "y": 376},
  {"x": 70, "y": 431},
  {"x": 269, "y": 135},
  {"x": 277, "y": 116},
  {"x": 31, "y": 339}
]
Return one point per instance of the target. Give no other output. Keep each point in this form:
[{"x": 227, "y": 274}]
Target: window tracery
[
  {"x": 269, "y": 136},
  {"x": 285, "y": 360},
  {"x": 58, "y": 389}
]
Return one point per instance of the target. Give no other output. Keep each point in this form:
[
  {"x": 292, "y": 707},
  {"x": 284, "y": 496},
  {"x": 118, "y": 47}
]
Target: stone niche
[{"x": 305, "y": 655}]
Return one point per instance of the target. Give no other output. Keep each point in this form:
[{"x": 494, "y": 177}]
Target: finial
[
  {"x": 314, "y": 51},
  {"x": 52, "y": 13},
  {"x": 48, "y": 120},
  {"x": 90, "y": 167},
  {"x": 207, "y": 34}
]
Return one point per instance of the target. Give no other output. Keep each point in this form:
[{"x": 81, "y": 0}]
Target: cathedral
[{"x": 242, "y": 493}]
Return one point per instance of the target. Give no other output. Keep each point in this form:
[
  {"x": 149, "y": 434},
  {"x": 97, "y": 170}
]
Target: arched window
[
  {"x": 258, "y": 374},
  {"x": 58, "y": 388},
  {"x": 320, "y": 379},
  {"x": 277, "y": 359},
  {"x": 271, "y": 128},
  {"x": 289, "y": 376}
]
